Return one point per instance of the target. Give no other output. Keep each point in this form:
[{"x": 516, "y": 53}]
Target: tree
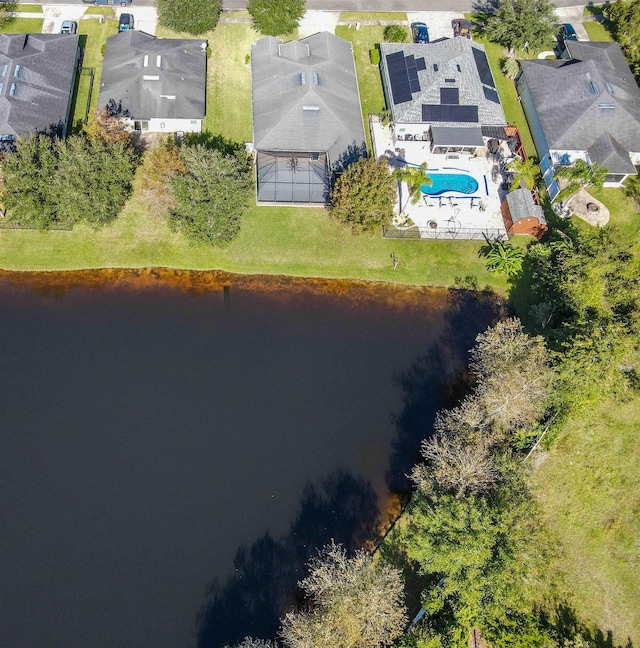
[
  {"x": 624, "y": 21},
  {"x": 249, "y": 642},
  {"x": 363, "y": 195},
  {"x": 395, "y": 34},
  {"x": 522, "y": 24},
  {"x": 106, "y": 127},
  {"x": 579, "y": 174},
  {"x": 414, "y": 177},
  {"x": 511, "y": 67},
  {"x": 27, "y": 175},
  {"x": 194, "y": 17},
  {"x": 93, "y": 180},
  {"x": 455, "y": 466},
  {"x": 526, "y": 171},
  {"x": 503, "y": 258},
  {"x": 7, "y": 11},
  {"x": 355, "y": 603},
  {"x": 632, "y": 189},
  {"x": 159, "y": 166},
  {"x": 276, "y": 17},
  {"x": 212, "y": 196}
]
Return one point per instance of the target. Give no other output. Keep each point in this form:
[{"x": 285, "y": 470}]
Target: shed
[{"x": 521, "y": 215}]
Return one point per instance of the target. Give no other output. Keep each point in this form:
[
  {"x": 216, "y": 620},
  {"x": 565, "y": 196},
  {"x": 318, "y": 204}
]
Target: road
[{"x": 354, "y": 5}]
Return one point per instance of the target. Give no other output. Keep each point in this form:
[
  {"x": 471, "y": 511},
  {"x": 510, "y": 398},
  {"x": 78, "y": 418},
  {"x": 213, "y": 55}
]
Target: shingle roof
[
  {"x": 521, "y": 205},
  {"x": 174, "y": 89},
  {"x": 455, "y": 63},
  {"x": 36, "y": 78},
  {"x": 305, "y": 95},
  {"x": 581, "y": 99}
]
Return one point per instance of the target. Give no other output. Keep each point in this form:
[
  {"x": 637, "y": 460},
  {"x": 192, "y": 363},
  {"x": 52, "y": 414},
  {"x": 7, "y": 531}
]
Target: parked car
[
  {"x": 461, "y": 27},
  {"x": 124, "y": 3},
  {"x": 126, "y": 22},
  {"x": 419, "y": 32},
  {"x": 567, "y": 32},
  {"x": 69, "y": 27}
]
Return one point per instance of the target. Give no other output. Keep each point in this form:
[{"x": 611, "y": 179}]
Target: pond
[{"x": 172, "y": 451}]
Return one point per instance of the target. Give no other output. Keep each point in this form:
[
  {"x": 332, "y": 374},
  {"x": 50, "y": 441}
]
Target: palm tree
[
  {"x": 503, "y": 258},
  {"x": 414, "y": 177},
  {"x": 525, "y": 171},
  {"x": 580, "y": 174}
]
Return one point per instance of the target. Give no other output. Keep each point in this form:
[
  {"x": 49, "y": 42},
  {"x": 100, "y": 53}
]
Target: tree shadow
[
  {"x": 438, "y": 379},
  {"x": 342, "y": 507},
  {"x": 563, "y": 623}
]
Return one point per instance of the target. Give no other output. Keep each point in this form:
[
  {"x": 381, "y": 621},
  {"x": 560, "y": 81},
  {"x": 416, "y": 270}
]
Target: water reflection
[{"x": 148, "y": 432}]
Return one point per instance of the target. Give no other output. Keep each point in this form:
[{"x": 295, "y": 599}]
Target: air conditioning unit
[{"x": 400, "y": 138}]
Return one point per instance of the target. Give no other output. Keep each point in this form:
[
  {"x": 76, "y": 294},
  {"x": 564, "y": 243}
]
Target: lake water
[{"x": 170, "y": 457}]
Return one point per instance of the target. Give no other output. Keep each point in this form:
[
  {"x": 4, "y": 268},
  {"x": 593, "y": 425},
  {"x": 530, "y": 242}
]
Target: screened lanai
[{"x": 292, "y": 177}]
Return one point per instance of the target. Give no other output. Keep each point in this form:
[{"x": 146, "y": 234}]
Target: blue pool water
[{"x": 443, "y": 182}]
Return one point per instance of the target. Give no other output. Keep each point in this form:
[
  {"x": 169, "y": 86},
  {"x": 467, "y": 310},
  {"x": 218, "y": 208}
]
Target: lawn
[
  {"x": 597, "y": 31},
  {"x": 624, "y": 213},
  {"x": 93, "y": 36},
  {"x": 22, "y": 26},
  {"x": 369, "y": 80},
  {"x": 29, "y": 8},
  {"x": 100, "y": 11},
  {"x": 589, "y": 491}
]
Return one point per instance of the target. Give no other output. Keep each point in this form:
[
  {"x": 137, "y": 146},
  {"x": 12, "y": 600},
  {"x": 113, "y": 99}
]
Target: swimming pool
[{"x": 444, "y": 182}]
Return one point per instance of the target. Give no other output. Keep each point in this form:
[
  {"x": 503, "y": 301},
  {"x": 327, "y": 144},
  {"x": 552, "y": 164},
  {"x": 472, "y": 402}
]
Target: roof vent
[
  {"x": 449, "y": 80},
  {"x": 303, "y": 78},
  {"x": 310, "y": 107},
  {"x": 158, "y": 60},
  {"x": 151, "y": 77},
  {"x": 145, "y": 63},
  {"x": 606, "y": 106},
  {"x": 594, "y": 87}
]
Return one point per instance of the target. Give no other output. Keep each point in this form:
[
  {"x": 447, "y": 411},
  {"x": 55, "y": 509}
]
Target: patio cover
[{"x": 455, "y": 136}]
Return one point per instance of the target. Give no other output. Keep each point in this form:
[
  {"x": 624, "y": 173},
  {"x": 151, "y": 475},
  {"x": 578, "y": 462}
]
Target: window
[{"x": 16, "y": 72}]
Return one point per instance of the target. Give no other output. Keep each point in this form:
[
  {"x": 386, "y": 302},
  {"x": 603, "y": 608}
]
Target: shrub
[
  {"x": 374, "y": 56},
  {"x": 395, "y": 34}
]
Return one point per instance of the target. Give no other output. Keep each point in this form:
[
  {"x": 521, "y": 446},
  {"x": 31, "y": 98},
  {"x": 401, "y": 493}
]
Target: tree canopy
[
  {"x": 212, "y": 195},
  {"x": 194, "y": 17},
  {"x": 356, "y": 602},
  {"x": 363, "y": 196},
  {"x": 624, "y": 21},
  {"x": 276, "y": 17},
  {"x": 522, "y": 24}
]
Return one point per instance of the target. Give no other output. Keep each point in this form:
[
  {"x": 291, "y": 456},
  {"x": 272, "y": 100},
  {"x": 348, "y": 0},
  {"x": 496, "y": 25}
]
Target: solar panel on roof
[
  {"x": 483, "y": 67},
  {"x": 491, "y": 95},
  {"x": 449, "y": 113},
  {"x": 412, "y": 73},
  {"x": 421, "y": 65},
  {"x": 449, "y": 96},
  {"x": 399, "y": 78}
]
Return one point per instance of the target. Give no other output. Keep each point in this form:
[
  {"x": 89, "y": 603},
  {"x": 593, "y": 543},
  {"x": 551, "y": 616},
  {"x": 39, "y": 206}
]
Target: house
[
  {"x": 307, "y": 118},
  {"x": 442, "y": 93},
  {"x": 521, "y": 215},
  {"x": 159, "y": 84},
  {"x": 586, "y": 106},
  {"x": 37, "y": 79}
]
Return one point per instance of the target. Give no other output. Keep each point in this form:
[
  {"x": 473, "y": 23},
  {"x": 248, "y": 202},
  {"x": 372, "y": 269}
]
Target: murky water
[{"x": 170, "y": 457}]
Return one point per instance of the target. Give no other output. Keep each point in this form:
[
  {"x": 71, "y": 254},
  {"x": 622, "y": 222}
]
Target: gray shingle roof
[
  {"x": 580, "y": 100},
  {"x": 521, "y": 205},
  {"x": 448, "y": 63},
  {"x": 36, "y": 73},
  {"x": 175, "y": 89},
  {"x": 305, "y": 95}
]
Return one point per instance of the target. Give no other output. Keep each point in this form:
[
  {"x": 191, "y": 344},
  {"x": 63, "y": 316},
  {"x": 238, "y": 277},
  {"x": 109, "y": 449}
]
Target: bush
[
  {"x": 374, "y": 56},
  {"x": 193, "y": 17},
  {"x": 510, "y": 67},
  {"x": 395, "y": 34},
  {"x": 276, "y": 17}
]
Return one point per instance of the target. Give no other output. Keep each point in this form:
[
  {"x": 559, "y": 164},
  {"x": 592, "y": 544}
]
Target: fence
[
  {"x": 91, "y": 73},
  {"x": 444, "y": 233}
]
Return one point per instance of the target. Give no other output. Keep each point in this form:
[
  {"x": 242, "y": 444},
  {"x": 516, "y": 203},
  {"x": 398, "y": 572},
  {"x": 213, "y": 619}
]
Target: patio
[{"x": 449, "y": 214}]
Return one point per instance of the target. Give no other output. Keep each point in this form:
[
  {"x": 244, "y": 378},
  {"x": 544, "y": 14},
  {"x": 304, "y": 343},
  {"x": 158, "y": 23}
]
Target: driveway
[
  {"x": 574, "y": 16},
  {"x": 146, "y": 17},
  {"x": 438, "y": 22}
]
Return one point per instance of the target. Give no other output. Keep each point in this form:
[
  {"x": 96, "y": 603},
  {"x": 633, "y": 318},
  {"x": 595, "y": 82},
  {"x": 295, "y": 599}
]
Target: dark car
[
  {"x": 567, "y": 32},
  {"x": 69, "y": 27},
  {"x": 419, "y": 32},
  {"x": 126, "y": 22}
]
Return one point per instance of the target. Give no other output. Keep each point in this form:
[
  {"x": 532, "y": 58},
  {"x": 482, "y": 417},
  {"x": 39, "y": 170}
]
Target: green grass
[
  {"x": 589, "y": 490},
  {"x": 275, "y": 240},
  {"x": 93, "y": 35},
  {"x": 597, "y": 31},
  {"x": 373, "y": 15},
  {"x": 22, "y": 26},
  {"x": 29, "y": 8},
  {"x": 235, "y": 14},
  {"x": 369, "y": 80},
  {"x": 100, "y": 11},
  {"x": 624, "y": 213}
]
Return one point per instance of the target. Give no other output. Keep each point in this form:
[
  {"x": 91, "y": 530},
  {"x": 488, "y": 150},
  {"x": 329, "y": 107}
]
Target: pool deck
[{"x": 450, "y": 213}]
